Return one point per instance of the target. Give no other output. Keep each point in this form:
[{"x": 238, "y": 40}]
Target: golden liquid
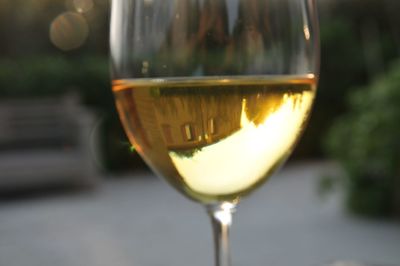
[{"x": 215, "y": 139}]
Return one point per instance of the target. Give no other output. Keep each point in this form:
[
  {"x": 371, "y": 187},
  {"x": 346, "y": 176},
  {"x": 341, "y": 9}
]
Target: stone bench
[{"x": 46, "y": 141}]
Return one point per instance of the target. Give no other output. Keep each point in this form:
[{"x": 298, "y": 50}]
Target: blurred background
[{"x": 71, "y": 186}]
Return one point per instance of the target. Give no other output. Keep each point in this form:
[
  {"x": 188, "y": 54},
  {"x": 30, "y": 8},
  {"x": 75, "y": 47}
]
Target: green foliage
[
  {"x": 366, "y": 143},
  {"x": 351, "y": 55},
  {"x": 88, "y": 77},
  {"x": 339, "y": 43},
  {"x": 39, "y": 76}
]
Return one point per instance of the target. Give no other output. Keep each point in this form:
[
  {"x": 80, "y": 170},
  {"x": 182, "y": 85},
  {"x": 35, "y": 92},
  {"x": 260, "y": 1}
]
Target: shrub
[{"x": 366, "y": 142}]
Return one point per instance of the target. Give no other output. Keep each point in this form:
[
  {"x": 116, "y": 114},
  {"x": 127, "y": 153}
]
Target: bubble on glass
[
  {"x": 69, "y": 31},
  {"x": 145, "y": 67},
  {"x": 83, "y": 6}
]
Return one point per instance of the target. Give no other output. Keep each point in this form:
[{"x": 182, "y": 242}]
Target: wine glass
[{"x": 214, "y": 94}]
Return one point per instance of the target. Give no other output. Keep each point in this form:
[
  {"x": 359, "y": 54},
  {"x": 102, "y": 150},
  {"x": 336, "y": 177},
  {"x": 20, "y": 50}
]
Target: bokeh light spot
[
  {"x": 83, "y": 6},
  {"x": 69, "y": 31}
]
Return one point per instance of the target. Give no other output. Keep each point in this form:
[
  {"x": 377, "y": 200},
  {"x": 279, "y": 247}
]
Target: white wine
[{"x": 215, "y": 139}]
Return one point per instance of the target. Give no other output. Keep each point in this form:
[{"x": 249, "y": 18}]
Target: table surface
[{"x": 142, "y": 222}]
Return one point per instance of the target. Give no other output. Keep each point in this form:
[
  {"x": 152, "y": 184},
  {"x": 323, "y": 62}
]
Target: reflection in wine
[{"x": 215, "y": 139}]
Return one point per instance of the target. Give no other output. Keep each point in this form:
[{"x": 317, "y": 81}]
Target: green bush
[
  {"x": 366, "y": 142},
  {"x": 338, "y": 44},
  {"x": 359, "y": 39},
  {"x": 89, "y": 77}
]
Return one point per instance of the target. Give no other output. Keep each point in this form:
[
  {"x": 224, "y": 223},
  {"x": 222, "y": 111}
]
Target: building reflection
[
  {"x": 189, "y": 121},
  {"x": 183, "y": 119}
]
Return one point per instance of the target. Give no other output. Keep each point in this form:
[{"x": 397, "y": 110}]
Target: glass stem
[{"x": 221, "y": 220}]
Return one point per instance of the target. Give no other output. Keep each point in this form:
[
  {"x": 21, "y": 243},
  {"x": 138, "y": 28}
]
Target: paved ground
[{"x": 142, "y": 222}]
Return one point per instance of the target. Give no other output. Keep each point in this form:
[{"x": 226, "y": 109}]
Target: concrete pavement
[{"x": 142, "y": 222}]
